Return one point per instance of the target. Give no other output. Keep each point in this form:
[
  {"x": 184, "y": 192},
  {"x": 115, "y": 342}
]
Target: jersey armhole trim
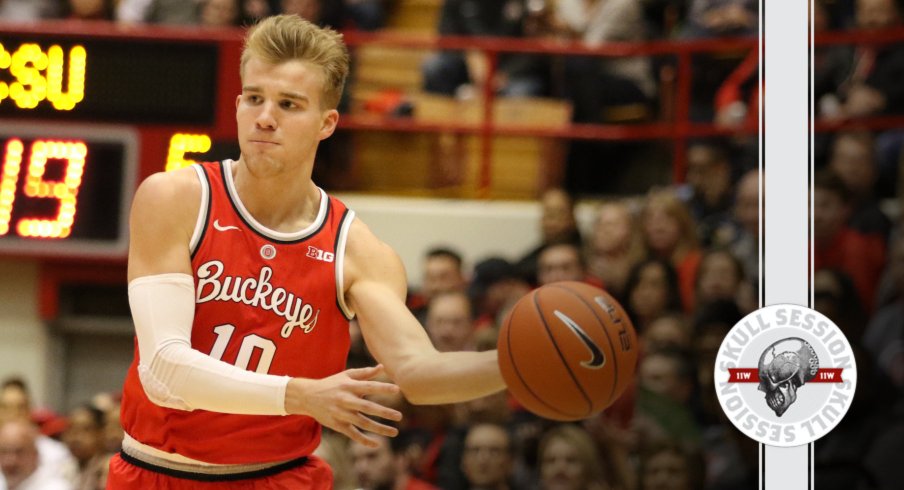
[
  {"x": 203, "y": 213},
  {"x": 341, "y": 240}
]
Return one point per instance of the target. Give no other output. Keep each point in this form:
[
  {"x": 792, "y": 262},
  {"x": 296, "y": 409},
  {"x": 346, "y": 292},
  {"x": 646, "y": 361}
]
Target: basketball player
[{"x": 243, "y": 276}]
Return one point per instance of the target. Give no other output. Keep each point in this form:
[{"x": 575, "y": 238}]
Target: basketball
[{"x": 567, "y": 350}]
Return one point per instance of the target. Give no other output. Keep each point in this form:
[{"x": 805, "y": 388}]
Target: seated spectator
[
  {"x": 670, "y": 234},
  {"x": 839, "y": 246},
  {"x": 157, "y": 12},
  {"x": 670, "y": 331},
  {"x": 562, "y": 262},
  {"x": 835, "y": 296},
  {"x": 671, "y": 465},
  {"x": 487, "y": 458},
  {"x": 442, "y": 274},
  {"x": 719, "y": 18},
  {"x": 884, "y": 337},
  {"x": 89, "y": 10},
  {"x": 495, "y": 287},
  {"x": 651, "y": 292},
  {"x": 853, "y": 159},
  {"x": 569, "y": 460},
  {"x": 19, "y": 459},
  {"x": 85, "y": 439},
  {"x": 668, "y": 372},
  {"x": 220, "y": 13},
  {"x": 382, "y": 467},
  {"x": 517, "y": 75},
  {"x": 255, "y": 10},
  {"x": 366, "y": 15},
  {"x": 720, "y": 277},
  {"x": 709, "y": 187},
  {"x": 450, "y": 323},
  {"x": 599, "y": 86},
  {"x": 869, "y": 74},
  {"x": 26, "y": 10},
  {"x": 614, "y": 247},
  {"x": 54, "y": 457},
  {"x": 740, "y": 235},
  {"x": 557, "y": 225}
]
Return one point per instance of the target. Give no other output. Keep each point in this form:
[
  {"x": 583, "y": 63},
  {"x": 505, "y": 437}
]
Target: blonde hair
[
  {"x": 283, "y": 38},
  {"x": 677, "y": 210}
]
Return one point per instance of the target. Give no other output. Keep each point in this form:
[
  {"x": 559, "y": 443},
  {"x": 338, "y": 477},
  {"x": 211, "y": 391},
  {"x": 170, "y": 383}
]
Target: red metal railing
[{"x": 679, "y": 129}]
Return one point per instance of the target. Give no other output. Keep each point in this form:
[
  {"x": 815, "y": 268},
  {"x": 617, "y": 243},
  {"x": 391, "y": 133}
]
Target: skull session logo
[{"x": 785, "y": 375}]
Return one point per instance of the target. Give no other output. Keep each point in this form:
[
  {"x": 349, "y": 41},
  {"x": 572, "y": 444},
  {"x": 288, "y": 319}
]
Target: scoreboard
[{"x": 88, "y": 110}]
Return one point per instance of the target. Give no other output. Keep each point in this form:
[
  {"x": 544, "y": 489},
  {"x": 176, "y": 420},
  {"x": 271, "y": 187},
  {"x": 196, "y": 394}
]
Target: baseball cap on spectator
[{"x": 489, "y": 272}]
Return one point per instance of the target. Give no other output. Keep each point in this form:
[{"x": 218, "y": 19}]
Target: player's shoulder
[{"x": 173, "y": 186}]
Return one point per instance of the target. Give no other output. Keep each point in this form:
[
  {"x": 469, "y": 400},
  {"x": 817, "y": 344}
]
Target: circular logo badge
[
  {"x": 268, "y": 251},
  {"x": 785, "y": 375}
]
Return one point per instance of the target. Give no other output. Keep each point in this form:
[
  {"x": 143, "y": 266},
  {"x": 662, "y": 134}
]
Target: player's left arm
[{"x": 375, "y": 290}]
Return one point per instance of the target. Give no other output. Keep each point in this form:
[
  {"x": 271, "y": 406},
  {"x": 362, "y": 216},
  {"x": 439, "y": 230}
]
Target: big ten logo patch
[{"x": 785, "y": 375}]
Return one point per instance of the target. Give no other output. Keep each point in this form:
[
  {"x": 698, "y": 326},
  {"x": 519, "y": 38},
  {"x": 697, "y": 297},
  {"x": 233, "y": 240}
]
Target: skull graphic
[{"x": 784, "y": 367}]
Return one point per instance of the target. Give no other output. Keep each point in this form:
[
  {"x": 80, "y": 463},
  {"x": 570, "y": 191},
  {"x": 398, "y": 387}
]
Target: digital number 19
[{"x": 73, "y": 153}]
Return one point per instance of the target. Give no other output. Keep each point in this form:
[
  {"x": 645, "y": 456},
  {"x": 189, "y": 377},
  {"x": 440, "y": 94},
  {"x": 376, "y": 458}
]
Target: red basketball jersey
[{"x": 266, "y": 301}]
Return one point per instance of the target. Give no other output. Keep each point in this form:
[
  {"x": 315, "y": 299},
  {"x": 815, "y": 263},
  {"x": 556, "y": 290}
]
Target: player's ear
[
  {"x": 328, "y": 123},
  {"x": 238, "y": 100}
]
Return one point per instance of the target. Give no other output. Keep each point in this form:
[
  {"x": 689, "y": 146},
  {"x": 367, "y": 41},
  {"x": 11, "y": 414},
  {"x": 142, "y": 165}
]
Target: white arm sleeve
[{"x": 176, "y": 376}]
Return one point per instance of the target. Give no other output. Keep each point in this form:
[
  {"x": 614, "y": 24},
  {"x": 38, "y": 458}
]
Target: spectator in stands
[
  {"x": 157, "y": 11},
  {"x": 884, "y": 337},
  {"x": 670, "y": 331},
  {"x": 669, "y": 465},
  {"x": 569, "y": 460},
  {"x": 670, "y": 234},
  {"x": 450, "y": 322},
  {"x": 614, "y": 247},
  {"x": 367, "y": 15},
  {"x": 835, "y": 296},
  {"x": 651, "y": 291},
  {"x": 603, "y": 88},
  {"x": 557, "y": 225},
  {"x": 741, "y": 234},
  {"x": 709, "y": 187},
  {"x": 383, "y": 468},
  {"x": 89, "y": 10},
  {"x": 853, "y": 159},
  {"x": 254, "y": 10},
  {"x": 19, "y": 459},
  {"x": 517, "y": 74},
  {"x": 220, "y": 13},
  {"x": 85, "y": 439},
  {"x": 720, "y": 277},
  {"x": 718, "y": 18},
  {"x": 54, "y": 457},
  {"x": 334, "y": 448},
  {"x": 443, "y": 273},
  {"x": 561, "y": 262},
  {"x": 495, "y": 286},
  {"x": 26, "y": 10},
  {"x": 487, "y": 458},
  {"x": 668, "y": 372},
  {"x": 871, "y": 73},
  {"x": 839, "y": 246}
]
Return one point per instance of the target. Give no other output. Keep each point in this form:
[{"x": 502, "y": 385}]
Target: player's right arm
[{"x": 164, "y": 214}]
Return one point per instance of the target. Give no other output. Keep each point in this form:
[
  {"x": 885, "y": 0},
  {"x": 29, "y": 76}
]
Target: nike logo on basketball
[
  {"x": 597, "y": 359},
  {"x": 217, "y": 226}
]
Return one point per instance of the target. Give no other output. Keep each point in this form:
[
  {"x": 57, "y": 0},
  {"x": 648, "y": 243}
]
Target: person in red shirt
[
  {"x": 243, "y": 277},
  {"x": 860, "y": 256}
]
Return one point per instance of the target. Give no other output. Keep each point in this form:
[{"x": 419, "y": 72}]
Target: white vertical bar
[{"x": 786, "y": 270}]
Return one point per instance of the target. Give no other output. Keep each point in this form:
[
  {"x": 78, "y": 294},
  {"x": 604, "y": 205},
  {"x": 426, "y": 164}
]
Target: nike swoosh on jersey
[{"x": 217, "y": 226}]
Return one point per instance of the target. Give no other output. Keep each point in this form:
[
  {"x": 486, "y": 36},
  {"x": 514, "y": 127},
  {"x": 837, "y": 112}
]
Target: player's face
[
  {"x": 561, "y": 467},
  {"x": 280, "y": 117}
]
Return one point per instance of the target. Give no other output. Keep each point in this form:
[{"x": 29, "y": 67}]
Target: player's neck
[{"x": 277, "y": 202}]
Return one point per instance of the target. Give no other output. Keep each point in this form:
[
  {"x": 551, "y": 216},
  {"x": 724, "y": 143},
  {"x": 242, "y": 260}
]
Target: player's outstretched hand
[{"x": 339, "y": 402}]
